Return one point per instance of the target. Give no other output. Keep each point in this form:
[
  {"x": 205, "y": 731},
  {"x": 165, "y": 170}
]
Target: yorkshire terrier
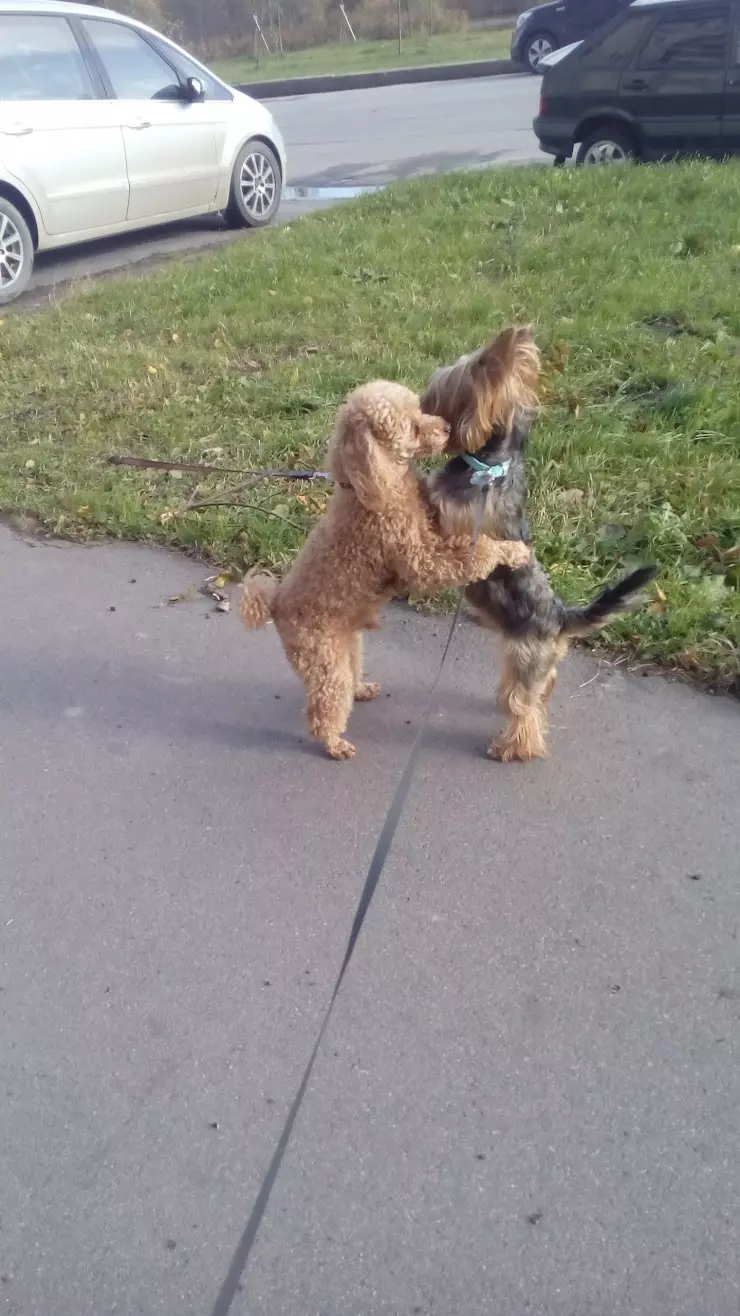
[{"x": 490, "y": 400}]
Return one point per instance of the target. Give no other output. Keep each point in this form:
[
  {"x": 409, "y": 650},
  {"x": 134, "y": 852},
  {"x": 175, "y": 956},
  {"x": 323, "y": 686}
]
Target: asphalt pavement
[
  {"x": 529, "y": 1098},
  {"x": 342, "y": 138}
]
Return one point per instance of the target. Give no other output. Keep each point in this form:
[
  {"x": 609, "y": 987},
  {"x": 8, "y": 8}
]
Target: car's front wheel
[
  {"x": 16, "y": 252},
  {"x": 538, "y": 46},
  {"x": 256, "y": 187},
  {"x": 609, "y": 146}
]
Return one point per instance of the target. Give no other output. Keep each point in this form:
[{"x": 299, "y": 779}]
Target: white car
[{"x": 106, "y": 127}]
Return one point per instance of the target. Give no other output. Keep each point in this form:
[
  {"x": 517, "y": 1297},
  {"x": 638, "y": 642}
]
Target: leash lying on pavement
[{"x": 230, "y": 1286}]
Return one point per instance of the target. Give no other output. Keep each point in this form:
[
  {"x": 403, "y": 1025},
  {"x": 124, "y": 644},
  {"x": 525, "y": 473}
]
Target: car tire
[
  {"x": 611, "y": 145},
  {"x": 256, "y": 187},
  {"x": 16, "y": 252},
  {"x": 536, "y": 47}
]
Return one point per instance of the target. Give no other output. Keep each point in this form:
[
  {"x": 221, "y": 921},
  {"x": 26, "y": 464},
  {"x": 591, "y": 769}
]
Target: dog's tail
[
  {"x": 257, "y": 601},
  {"x": 607, "y": 605}
]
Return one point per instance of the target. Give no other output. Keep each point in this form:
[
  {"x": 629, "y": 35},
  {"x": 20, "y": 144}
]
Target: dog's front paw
[
  {"x": 514, "y": 751},
  {"x": 516, "y": 554},
  {"x": 366, "y": 691},
  {"x": 340, "y": 749}
]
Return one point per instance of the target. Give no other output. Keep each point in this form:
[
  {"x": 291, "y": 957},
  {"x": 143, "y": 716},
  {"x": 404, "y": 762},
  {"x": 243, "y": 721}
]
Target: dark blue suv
[{"x": 545, "y": 28}]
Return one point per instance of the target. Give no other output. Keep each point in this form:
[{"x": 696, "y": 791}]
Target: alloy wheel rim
[
  {"x": 11, "y": 253},
  {"x": 538, "y": 50},
  {"x": 606, "y": 152},
  {"x": 258, "y": 185}
]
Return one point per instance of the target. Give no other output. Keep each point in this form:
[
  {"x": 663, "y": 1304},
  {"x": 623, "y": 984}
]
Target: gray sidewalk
[{"x": 529, "y": 1100}]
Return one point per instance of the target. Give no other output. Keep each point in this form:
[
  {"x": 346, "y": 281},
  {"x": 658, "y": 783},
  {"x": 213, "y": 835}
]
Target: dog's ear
[
  {"x": 505, "y": 377},
  {"x": 356, "y": 458},
  {"x": 506, "y": 355}
]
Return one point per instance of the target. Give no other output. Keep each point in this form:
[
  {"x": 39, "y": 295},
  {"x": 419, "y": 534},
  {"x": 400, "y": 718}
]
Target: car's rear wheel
[
  {"x": 610, "y": 145},
  {"x": 16, "y": 252},
  {"x": 538, "y": 46},
  {"x": 256, "y": 187}
]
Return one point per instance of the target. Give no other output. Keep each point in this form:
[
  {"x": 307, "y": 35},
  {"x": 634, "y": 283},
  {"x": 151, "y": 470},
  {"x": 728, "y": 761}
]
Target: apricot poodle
[{"x": 378, "y": 539}]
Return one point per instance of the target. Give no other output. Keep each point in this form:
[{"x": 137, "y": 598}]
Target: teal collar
[{"x": 483, "y": 474}]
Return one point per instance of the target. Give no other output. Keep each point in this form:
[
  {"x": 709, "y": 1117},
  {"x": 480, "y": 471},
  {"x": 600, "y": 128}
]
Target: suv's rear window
[
  {"x": 697, "y": 40},
  {"x": 40, "y": 60}
]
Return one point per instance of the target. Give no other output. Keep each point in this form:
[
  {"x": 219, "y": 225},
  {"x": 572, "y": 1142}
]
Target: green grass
[
  {"x": 630, "y": 276},
  {"x": 369, "y": 56}
]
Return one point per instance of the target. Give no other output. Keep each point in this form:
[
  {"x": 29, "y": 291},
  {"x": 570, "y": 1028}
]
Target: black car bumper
[
  {"x": 518, "y": 55},
  {"x": 554, "y": 137}
]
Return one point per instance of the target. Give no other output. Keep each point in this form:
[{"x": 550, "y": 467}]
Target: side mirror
[{"x": 194, "y": 89}]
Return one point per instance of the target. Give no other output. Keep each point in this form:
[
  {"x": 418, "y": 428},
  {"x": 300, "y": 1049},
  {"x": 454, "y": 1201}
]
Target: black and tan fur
[{"x": 489, "y": 399}]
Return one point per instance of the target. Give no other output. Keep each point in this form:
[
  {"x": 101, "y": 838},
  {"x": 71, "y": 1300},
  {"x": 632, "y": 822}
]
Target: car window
[
  {"x": 135, "y": 70},
  {"x": 689, "y": 41},
  {"x": 40, "y": 60},
  {"x": 619, "y": 45},
  {"x": 594, "y": 12}
]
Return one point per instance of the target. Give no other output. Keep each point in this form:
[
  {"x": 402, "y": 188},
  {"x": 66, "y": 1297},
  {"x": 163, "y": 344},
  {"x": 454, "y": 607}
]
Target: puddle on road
[{"x": 342, "y": 193}]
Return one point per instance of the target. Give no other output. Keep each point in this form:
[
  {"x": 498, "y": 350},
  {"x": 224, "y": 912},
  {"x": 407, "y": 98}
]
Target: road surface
[
  {"x": 528, "y": 1103},
  {"x": 346, "y": 138}
]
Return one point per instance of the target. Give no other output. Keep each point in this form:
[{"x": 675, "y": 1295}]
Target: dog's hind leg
[
  {"x": 324, "y": 664},
  {"x": 560, "y": 650},
  {"x": 364, "y": 690},
  {"x": 527, "y": 680},
  {"x": 330, "y": 687}
]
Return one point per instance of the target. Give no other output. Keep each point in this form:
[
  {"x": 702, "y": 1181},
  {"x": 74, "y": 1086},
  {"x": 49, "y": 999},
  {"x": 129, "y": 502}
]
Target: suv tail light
[{"x": 543, "y": 105}]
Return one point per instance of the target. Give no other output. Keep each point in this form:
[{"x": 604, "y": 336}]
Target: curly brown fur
[
  {"x": 377, "y": 539},
  {"x": 489, "y": 399}
]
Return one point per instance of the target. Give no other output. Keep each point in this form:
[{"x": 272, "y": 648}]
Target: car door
[
  {"x": 675, "y": 86},
  {"x": 170, "y": 142},
  {"x": 58, "y": 134}
]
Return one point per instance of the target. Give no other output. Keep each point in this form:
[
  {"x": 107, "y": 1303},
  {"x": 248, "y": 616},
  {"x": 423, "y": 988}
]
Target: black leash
[
  {"x": 230, "y": 1286},
  {"x": 205, "y": 468}
]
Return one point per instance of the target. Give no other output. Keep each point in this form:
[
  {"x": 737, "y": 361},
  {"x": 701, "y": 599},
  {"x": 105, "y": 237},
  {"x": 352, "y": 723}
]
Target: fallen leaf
[
  {"x": 301, "y": 498},
  {"x": 182, "y": 598},
  {"x": 30, "y": 465},
  {"x": 558, "y": 356},
  {"x": 707, "y": 541},
  {"x": 175, "y": 475},
  {"x": 152, "y": 370},
  {"x": 731, "y": 554},
  {"x": 660, "y": 594},
  {"x": 223, "y": 605}
]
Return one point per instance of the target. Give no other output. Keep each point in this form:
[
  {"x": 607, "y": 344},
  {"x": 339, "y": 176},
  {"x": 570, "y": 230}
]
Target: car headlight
[{"x": 523, "y": 18}]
